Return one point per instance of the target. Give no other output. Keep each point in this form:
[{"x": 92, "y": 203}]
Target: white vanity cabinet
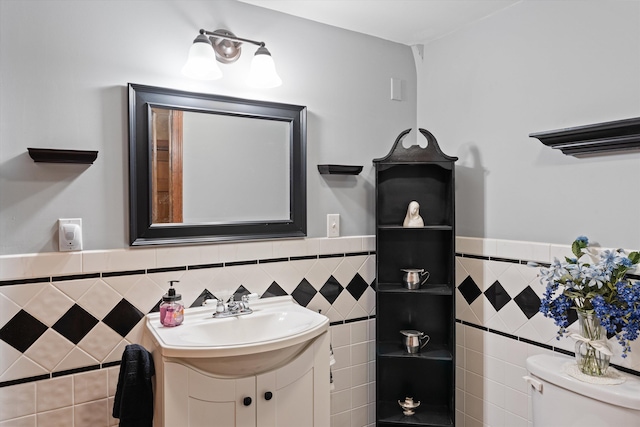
[
  {"x": 267, "y": 368},
  {"x": 295, "y": 394}
]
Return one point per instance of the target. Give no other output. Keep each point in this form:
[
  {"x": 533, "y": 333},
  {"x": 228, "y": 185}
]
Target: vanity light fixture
[{"x": 223, "y": 46}]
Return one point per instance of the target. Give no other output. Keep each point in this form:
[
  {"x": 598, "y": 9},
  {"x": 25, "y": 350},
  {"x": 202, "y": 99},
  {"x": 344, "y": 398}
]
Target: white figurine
[{"x": 413, "y": 218}]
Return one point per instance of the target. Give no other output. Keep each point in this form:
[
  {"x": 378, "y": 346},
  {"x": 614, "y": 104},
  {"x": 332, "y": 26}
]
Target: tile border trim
[
  {"x": 357, "y": 319},
  {"x": 525, "y": 340},
  {"x": 81, "y": 276},
  {"x": 538, "y": 344},
  {"x": 107, "y": 365}
]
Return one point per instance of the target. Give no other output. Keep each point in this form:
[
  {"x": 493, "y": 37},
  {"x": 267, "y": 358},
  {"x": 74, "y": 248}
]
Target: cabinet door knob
[
  {"x": 246, "y": 401},
  {"x": 268, "y": 395}
]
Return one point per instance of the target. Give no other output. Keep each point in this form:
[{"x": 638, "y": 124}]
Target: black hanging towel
[{"x": 133, "y": 403}]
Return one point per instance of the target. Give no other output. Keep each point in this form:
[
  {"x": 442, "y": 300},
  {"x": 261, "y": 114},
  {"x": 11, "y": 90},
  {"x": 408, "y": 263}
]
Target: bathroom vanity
[{"x": 267, "y": 368}]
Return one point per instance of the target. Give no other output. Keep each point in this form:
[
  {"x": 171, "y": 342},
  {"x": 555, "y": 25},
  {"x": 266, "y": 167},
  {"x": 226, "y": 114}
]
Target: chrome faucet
[{"x": 233, "y": 308}]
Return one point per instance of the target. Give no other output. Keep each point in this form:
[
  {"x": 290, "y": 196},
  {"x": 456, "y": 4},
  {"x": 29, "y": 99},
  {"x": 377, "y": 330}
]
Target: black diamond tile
[
  {"x": 303, "y": 293},
  {"x": 75, "y": 324},
  {"x": 123, "y": 317},
  {"x": 156, "y": 308},
  {"x": 497, "y": 295},
  {"x": 22, "y": 331},
  {"x": 237, "y": 295},
  {"x": 572, "y": 316},
  {"x": 331, "y": 289},
  {"x": 528, "y": 301},
  {"x": 273, "y": 291},
  {"x": 357, "y": 286},
  {"x": 469, "y": 290},
  {"x": 205, "y": 295},
  {"x": 609, "y": 334}
]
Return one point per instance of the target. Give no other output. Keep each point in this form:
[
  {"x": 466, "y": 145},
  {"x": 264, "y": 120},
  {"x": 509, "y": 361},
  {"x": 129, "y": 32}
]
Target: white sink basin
[{"x": 276, "y": 331}]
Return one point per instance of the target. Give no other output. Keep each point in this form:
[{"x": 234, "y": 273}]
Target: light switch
[{"x": 333, "y": 225}]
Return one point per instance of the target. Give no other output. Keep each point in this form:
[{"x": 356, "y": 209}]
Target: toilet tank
[{"x": 560, "y": 400}]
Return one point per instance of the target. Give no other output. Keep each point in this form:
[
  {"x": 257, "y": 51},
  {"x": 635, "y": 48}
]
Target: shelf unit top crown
[{"x": 416, "y": 153}]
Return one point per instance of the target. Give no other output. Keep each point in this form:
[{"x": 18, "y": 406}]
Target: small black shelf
[
  {"x": 414, "y": 229},
  {"x": 427, "y": 288},
  {"x": 54, "y": 155},
  {"x": 429, "y": 352},
  {"x": 339, "y": 169},
  {"x": 431, "y": 415},
  {"x": 593, "y": 139}
]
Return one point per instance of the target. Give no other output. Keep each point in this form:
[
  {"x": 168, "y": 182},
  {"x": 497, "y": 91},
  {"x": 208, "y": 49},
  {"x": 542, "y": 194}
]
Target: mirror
[{"x": 206, "y": 168}]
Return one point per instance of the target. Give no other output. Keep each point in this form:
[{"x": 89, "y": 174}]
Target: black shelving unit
[{"x": 425, "y": 175}]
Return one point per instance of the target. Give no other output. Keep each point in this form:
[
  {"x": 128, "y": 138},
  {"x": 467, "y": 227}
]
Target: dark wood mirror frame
[{"x": 142, "y": 230}]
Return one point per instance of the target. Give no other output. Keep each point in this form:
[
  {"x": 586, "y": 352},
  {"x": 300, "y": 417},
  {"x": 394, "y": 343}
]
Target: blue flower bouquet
[{"x": 596, "y": 286}]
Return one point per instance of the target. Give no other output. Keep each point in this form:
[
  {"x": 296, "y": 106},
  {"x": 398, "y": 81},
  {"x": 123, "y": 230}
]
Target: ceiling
[{"x": 403, "y": 21}]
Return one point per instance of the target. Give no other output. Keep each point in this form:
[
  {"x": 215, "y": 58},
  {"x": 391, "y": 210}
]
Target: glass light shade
[
  {"x": 201, "y": 63},
  {"x": 263, "y": 70}
]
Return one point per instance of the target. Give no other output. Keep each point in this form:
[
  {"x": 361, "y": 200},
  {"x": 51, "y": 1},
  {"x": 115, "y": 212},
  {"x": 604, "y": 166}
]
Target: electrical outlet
[
  {"x": 333, "y": 225},
  {"x": 70, "y": 234}
]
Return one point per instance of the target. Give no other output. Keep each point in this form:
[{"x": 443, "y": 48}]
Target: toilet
[{"x": 559, "y": 400}]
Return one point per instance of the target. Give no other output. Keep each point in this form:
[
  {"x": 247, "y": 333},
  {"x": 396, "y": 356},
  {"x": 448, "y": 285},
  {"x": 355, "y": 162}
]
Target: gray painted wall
[
  {"x": 64, "y": 67},
  {"x": 533, "y": 67}
]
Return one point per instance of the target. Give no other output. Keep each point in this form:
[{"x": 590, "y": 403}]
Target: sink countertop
[{"x": 276, "y": 323}]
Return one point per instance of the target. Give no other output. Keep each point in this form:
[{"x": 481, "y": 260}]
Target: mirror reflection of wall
[{"x": 219, "y": 168}]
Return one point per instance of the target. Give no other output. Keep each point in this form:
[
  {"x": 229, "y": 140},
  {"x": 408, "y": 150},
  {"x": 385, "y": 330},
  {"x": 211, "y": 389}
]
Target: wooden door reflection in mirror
[{"x": 166, "y": 182}]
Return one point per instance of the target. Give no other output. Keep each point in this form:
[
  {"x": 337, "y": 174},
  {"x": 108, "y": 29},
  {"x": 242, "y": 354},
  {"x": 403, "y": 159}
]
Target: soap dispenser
[{"x": 171, "y": 309}]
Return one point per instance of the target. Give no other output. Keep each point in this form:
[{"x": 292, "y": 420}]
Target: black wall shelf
[
  {"x": 53, "y": 155},
  {"x": 599, "y": 138},
  {"x": 339, "y": 169}
]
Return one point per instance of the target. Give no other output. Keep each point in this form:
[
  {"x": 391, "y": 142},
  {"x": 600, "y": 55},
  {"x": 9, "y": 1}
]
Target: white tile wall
[
  {"x": 353, "y": 397},
  {"x": 489, "y": 367},
  {"x": 66, "y": 263},
  {"x": 86, "y": 398},
  {"x": 490, "y": 390}
]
